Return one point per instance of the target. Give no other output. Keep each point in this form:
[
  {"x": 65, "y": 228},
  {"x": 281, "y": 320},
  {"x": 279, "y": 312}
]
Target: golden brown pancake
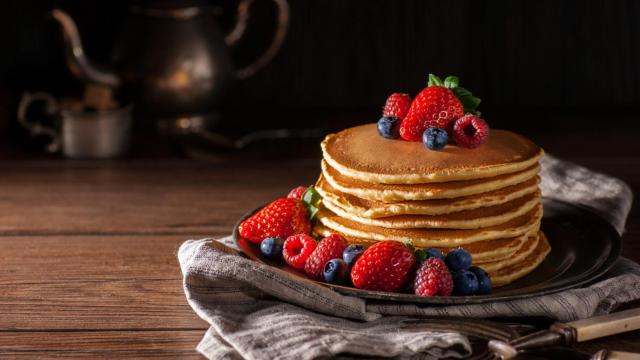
[
  {"x": 466, "y": 219},
  {"x": 481, "y": 251},
  {"x": 433, "y": 237},
  {"x": 443, "y": 190},
  {"x": 360, "y": 153},
  {"x": 525, "y": 250},
  {"x": 514, "y": 272},
  {"x": 376, "y": 209}
]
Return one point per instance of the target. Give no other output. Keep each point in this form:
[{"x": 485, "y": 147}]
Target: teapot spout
[{"x": 77, "y": 61}]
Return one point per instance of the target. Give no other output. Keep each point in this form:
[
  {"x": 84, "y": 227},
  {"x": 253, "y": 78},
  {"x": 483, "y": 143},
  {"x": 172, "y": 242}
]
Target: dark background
[{"x": 535, "y": 64}]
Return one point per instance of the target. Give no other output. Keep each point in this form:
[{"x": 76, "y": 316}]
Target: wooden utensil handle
[
  {"x": 621, "y": 355},
  {"x": 606, "y": 325}
]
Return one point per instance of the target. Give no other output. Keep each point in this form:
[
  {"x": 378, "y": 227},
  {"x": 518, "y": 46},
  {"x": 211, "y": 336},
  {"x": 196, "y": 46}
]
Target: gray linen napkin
[{"x": 258, "y": 312}]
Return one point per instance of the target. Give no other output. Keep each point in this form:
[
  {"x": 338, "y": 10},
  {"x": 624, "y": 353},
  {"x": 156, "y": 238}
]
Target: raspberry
[
  {"x": 296, "y": 250},
  {"x": 397, "y": 105},
  {"x": 328, "y": 248},
  {"x": 433, "y": 278},
  {"x": 470, "y": 131},
  {"x": 297, "y": 193}
]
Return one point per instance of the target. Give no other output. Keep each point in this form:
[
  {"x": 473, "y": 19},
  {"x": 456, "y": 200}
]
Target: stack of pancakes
[{"x": 485, "y": 200}]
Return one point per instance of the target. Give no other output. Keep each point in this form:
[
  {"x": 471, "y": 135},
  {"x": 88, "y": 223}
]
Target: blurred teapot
[{"x": 171, "y": 59}]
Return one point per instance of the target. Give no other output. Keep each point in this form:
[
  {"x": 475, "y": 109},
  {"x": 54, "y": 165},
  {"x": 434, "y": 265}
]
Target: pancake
[
  {"x": 481, "y": 251},
  {"x": 376, "y": 209},
  {"x": 525, "y": 250},
  {"x": 433, "y": 237},
  {"x": 511, "y": 273},
  {"x": 360, "y": 153},
  {"x": 467, "y": 219},
  {"x": 391, "y": 193}
]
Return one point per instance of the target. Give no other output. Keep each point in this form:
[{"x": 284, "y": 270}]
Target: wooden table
[{"x": 88, "y": 263}]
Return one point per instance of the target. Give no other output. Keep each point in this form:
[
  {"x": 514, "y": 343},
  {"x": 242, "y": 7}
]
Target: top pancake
[{"x": 361, "y": 153}]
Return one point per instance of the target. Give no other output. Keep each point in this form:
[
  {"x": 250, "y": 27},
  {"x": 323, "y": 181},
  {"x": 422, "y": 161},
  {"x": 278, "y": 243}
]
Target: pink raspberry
[
  {"x": 470, "y": 131},
  {"x": 433, "y": 278},
  {"x": 296, "y": 193}
]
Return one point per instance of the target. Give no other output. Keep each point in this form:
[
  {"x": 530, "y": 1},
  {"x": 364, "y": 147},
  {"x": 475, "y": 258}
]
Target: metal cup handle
[
  {"x": 240, "y": 26},
  {"x": 35, "y": 128}
]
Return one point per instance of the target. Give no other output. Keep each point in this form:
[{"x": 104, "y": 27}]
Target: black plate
[{"x": 583, "y": 248}]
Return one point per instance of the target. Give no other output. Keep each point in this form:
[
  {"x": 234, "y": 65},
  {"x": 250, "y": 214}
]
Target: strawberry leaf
[
  {"x": 434, "y": 81},
  {"x": 469, "y": 102},
  {"x": 311, "y": 198},
  {"x": 420, "y": 255},
  {"x": 451, "y": 82}
]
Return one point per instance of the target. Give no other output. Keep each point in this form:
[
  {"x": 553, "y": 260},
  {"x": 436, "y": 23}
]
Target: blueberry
[
  {"x": 458, "y": 259},
  {"x": 352, "y": 253},
  {"x": 336, "y": 271},
  {"x": 465, "y": 282},
  {"x": 435, "y": 138},
  {"x": 271, "y": 247},
  {"x": 484, "y": 281},
  {"x": 433, "y": 252},
  {"x": 388, "y": 127}
]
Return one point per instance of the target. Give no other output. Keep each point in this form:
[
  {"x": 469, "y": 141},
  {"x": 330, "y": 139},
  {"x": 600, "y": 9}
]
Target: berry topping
[
  {"x": 433, "y": 278},
  {"x": 397, "y": 105},
  {"x": 470, "y": 131},
  {"x": 282, "y": 218},
  {"x": 433, "y": 252},
  {"x": 351, "y": 254},
  {"x": 438, "y": 105},
  {"x": 271, "y": 247},
  {"x": 388, "y": 127},
  {"x": 297, "y": 193},
  {"x": 336, "y": 271},
  {"x": 296, "y": 250},
  {"x": 385, "y": 266},
  {"x": 485, "y": 286},
  {"x": 458, "y": 259},
  {"x": 328, "y": 248},
  {"x": 465, "y": 282},
  {"x": 435, "y": 138}
]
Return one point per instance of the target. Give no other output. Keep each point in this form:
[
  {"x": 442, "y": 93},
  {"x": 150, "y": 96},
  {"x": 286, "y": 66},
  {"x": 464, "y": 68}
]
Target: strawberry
[
  {"x": 397, "y": 105},
  {"x": 297, "y": 249},
  {"x": 438, "y": 105},
  {"x": 433, "y": 278},
  {"x": 385, "y": 266},
  {"x": 281, "y": 218},
  {"x": 328, "y": 248}
]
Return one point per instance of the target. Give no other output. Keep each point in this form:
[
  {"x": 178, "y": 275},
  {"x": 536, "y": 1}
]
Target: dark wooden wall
[{"x": 347, "y": 55}]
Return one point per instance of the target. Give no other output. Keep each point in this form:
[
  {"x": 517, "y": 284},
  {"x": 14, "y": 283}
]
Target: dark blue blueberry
[
  {"x": 435, "y": 138},
  {"x": 465, "y": 283},
  {"x": 336, "y": 271},
  {"x": 272, "y": 247},
  {"x": 484, "y": 281},
  {"x": 458, "y": 259},
  {"x": 352, "y": 253},
  {"x": 389, "y": 127},
  {"x": 433, "y": 252}
]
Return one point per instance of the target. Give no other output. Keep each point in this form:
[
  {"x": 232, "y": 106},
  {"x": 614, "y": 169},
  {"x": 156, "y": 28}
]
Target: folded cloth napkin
[{"x": 259, "y": 312}]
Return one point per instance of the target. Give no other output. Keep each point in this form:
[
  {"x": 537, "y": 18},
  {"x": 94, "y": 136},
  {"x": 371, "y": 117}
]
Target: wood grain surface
[{"x": 88, "y": 263}]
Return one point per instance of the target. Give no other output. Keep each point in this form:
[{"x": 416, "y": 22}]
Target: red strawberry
[
  {"x": 282, "y": 218},
  {"x": 438, "y": 105},
  {"x": 328, "y": 248},
  {"x": 296, "y": 250},
  {"x": 296, "y": 193},
  {"x": 470, "y": 131},
  {"x": 397, "y": 105},
  {"x": 433, "y": 278},
  {"x": 385, "y": 266}
]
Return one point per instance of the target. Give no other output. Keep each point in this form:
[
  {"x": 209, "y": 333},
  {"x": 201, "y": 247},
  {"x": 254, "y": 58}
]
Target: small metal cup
[{"x": 80, "y": 134}]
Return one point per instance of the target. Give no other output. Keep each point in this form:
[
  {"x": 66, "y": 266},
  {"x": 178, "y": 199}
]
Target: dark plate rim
[{"x": 589, "y": 277}]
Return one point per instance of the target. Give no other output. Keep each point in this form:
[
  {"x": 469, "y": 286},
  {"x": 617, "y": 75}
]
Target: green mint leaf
[
  {"x": 434, "y": 81},
  {"x": 313, "y": 211},
  {"x": 451, "y": 82},
  {"x": 311, "y": 196}
]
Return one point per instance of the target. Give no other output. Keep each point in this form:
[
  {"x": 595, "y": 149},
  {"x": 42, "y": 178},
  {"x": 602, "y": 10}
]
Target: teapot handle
[
  {"x": 34, "y": 128},
  {"x": 240, "y": 26}
]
